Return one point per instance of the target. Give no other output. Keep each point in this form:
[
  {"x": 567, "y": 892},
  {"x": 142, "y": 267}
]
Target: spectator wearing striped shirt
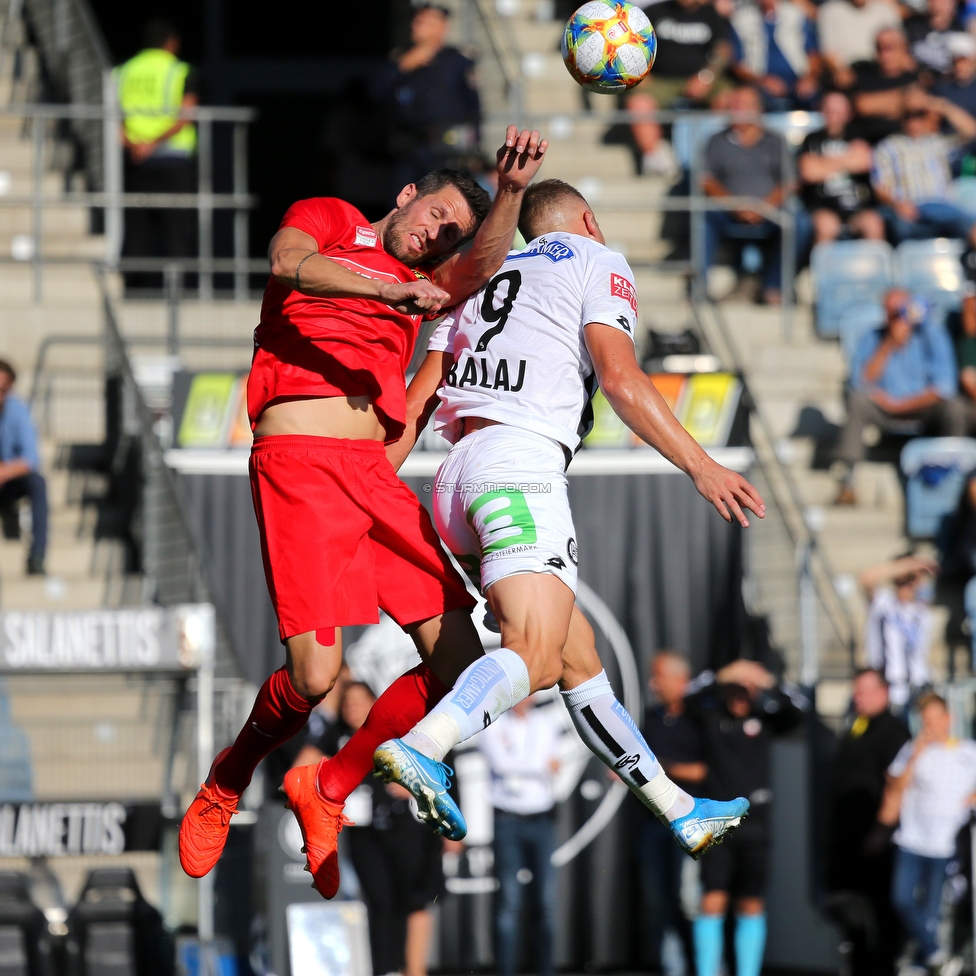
[
  {"x": 912, "y": 174},
  {"x": 931, "y": 789}
]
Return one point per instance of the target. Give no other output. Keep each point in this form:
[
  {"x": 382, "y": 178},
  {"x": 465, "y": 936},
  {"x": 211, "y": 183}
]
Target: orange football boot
[
  {"x": 320, "y": 821},
  {"x": 203, "y": 832}
]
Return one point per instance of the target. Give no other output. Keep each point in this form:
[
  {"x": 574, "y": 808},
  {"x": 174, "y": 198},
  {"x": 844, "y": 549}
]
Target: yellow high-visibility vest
[{"x": 153, "y": 82}]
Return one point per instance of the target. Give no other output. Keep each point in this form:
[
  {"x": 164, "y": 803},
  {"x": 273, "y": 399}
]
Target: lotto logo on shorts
[
  {"x": 622, "y": 288},
  {"x": 502, "y": 519}
]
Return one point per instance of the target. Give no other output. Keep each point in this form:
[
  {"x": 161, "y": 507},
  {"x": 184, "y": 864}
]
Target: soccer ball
[{"x": 609, "y": 45}]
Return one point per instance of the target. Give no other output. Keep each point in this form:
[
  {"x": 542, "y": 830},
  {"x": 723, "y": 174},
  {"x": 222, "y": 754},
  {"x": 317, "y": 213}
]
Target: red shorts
[{"x": 341, "y": 535}]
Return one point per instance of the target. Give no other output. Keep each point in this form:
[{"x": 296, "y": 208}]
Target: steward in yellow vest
[{"x": 154, "y": 87}]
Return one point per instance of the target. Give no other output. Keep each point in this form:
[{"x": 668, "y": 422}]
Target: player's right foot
[
  {"x": 427, "y": 781},
  {"x": 708, "y": 824},
  {"x": 320, "y": 821},
  {"x": 205, "y": 825}
]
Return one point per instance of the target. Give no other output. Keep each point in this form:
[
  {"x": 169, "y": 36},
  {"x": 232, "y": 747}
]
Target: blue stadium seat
[
  {"x": 690, "y": 135},
  {"x": 854, "y": 321},
  {"x": 848, "y": 273},
  {"x": 16, "y": 779},
  {"x": 963, "y": 194},
  {"x": 932, "y": 270},
  {"x": 793, "y": 126},
  {"x": 936, "y": 470}
]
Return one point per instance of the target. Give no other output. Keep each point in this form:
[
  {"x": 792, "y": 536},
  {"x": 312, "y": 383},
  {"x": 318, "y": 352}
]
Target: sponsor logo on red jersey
[
  {"x": 622, "y": 288},
  {"x": 366, "y": 237}
]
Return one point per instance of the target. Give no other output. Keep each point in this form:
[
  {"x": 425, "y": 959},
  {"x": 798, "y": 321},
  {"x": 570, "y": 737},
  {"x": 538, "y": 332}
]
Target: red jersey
[{"x": 322, "y": 347}]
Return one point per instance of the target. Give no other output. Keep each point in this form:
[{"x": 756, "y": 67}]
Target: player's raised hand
[
  {"x": 729, "y": 493},
  {"x": 414, "y": 297},
  {"x": 520, "y": 158}
]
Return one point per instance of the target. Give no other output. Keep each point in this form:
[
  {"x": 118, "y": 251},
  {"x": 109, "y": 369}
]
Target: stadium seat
[
  {"x": 932, "y": 270},
  {"x": 15, "y": 758},
  {"x": 690, "y": 135},
  {"x": 25, "y": 945},
  {"x": 114, "y": 931},
  {"x": 848, "y": 273},
  {"x": 854, "y": 321},
  {"x": 935, "y": 469},
  {"x": 963, "y": 194},
  {"x": 793, "y": 126}
]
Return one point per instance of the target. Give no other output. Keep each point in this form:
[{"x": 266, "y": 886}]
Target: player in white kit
[{"x": 511, "y": 372}]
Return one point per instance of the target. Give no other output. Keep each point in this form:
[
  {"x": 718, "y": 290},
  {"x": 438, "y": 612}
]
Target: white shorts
[{"x": 502, "y": 508}]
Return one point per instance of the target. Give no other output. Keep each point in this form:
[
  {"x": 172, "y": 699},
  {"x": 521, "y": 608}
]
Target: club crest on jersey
[
  {"x": 554, "y": 250},
  {"x": 366, "y": 237},
  {"x": 622, "y": 288}
]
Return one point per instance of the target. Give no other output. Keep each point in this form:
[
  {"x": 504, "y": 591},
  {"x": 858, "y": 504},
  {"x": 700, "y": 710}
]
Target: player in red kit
[{"x": 340, "y": 534}]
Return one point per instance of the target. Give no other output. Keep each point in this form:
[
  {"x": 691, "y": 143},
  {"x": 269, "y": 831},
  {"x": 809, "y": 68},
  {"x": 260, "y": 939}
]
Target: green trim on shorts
[{"x": 507, "y": 521}]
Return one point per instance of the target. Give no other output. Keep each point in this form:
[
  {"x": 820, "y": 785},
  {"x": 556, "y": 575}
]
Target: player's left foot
[
  {"x": 205, "y": 825},
  {"x": 320, "y": 821},
  {"x": 708, "y": 824},
  {"x": 427, "y": 781}
]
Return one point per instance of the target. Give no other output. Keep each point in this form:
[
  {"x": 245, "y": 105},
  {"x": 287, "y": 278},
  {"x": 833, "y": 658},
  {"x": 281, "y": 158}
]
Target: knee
[
  {"x": 313, "y": 680},
  {"x": 871, "y": 225},
  {"x": 826, "y": 225}
]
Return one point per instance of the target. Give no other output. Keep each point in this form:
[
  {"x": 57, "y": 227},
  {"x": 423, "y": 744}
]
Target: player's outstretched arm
[
  {"x": 517, "y": 163},
  {"x": 422, "y": 401},
  {"x": 296, "y": 262},
  {"x": 637, "y": 402}
]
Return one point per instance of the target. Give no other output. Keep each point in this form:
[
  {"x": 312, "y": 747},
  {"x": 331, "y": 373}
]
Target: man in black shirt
[
  {"x": 929, "y": 37},
  {"x": 429, "y": 90},
  {"x": 739, "y": 710},
  {"x": 835, "y": 173},
  {"x": 676, "y": 740},
  {"x": 856, "y": 862},
  {"x": 881, "y": 86},
  {"x": 693, "y": 47}
]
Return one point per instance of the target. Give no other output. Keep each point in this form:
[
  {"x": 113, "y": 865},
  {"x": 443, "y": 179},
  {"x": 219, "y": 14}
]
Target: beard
[{"x": 393, "y": 240}]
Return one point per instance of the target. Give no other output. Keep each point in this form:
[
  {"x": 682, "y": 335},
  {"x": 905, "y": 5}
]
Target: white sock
[
  {"x": 612, "y": 735},
  {"x": 486, "y": 689}
]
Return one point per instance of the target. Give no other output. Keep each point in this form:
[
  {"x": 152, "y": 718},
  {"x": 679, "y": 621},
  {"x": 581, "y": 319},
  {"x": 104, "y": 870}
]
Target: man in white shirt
[
  {"x": 898, "y": 632},
  {"x": 848, "y": 29},
  {"x": 511, "y": 373},
  {"x": 931, "y": 789},
  {"x": 522, "y": 750}
]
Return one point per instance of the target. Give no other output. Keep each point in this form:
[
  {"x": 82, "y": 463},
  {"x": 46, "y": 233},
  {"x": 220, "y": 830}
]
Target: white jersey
[{"x": 519, "y": 353}]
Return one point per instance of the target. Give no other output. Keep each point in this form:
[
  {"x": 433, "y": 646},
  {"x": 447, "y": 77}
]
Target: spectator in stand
[
  {"x": 929, "y": 34},
  {"x": 847, "y": 31},
  {"x": 904, "y": 370},
  {"x": 880, "y": 87},
  {"x": 693, "y": 49},
  {"x": 959, "y": 86},
  {"x": 20, "y": 471},
  {"x": 746, "y": 160},
  {"x": 912, "y": 171},
  {"x": 434, "y": 104},
  {"x": 957, "y": 554},
  {"x": 522, "y": 750},
  {"x": 931, "y": 789},
  {"x": 775, "y": 49},
  {"x": 739, "y": 711},
  {"x": 397, "y": 859},
  {"x": 866, "y": 749},
  {"x": 965, "y": 404},
  {"x": 835, "y": 175},
  {"x": 676, "y": 739},
  {"x": 898, "y": 632}
]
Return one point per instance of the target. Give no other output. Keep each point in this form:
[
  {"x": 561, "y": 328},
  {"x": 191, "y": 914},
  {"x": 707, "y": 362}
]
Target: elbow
[{"x": 279, "y": 271}]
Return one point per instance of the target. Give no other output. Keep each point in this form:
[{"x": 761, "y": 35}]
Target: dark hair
[
  {"x": 5, "y": 367},
  {"x": 860, "y": 672},
  {"x": 158, "y": 31},
  {"x": 537, "y": 201},
  {"x": 421, "y": 7},
  {"x": 476, "y": 196},
  {"x": 930, "y": 698}
]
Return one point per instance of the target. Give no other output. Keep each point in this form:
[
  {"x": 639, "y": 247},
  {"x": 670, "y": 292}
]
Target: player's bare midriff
[{"x": 352, "y": 418}]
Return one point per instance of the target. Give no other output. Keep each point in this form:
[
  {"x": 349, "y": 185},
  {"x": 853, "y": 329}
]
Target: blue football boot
[
  {"x": 708, "y": 824},
  {"x": 427, "y": 782}
]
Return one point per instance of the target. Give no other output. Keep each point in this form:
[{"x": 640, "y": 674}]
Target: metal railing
[{"x": 115, "y": 200}]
